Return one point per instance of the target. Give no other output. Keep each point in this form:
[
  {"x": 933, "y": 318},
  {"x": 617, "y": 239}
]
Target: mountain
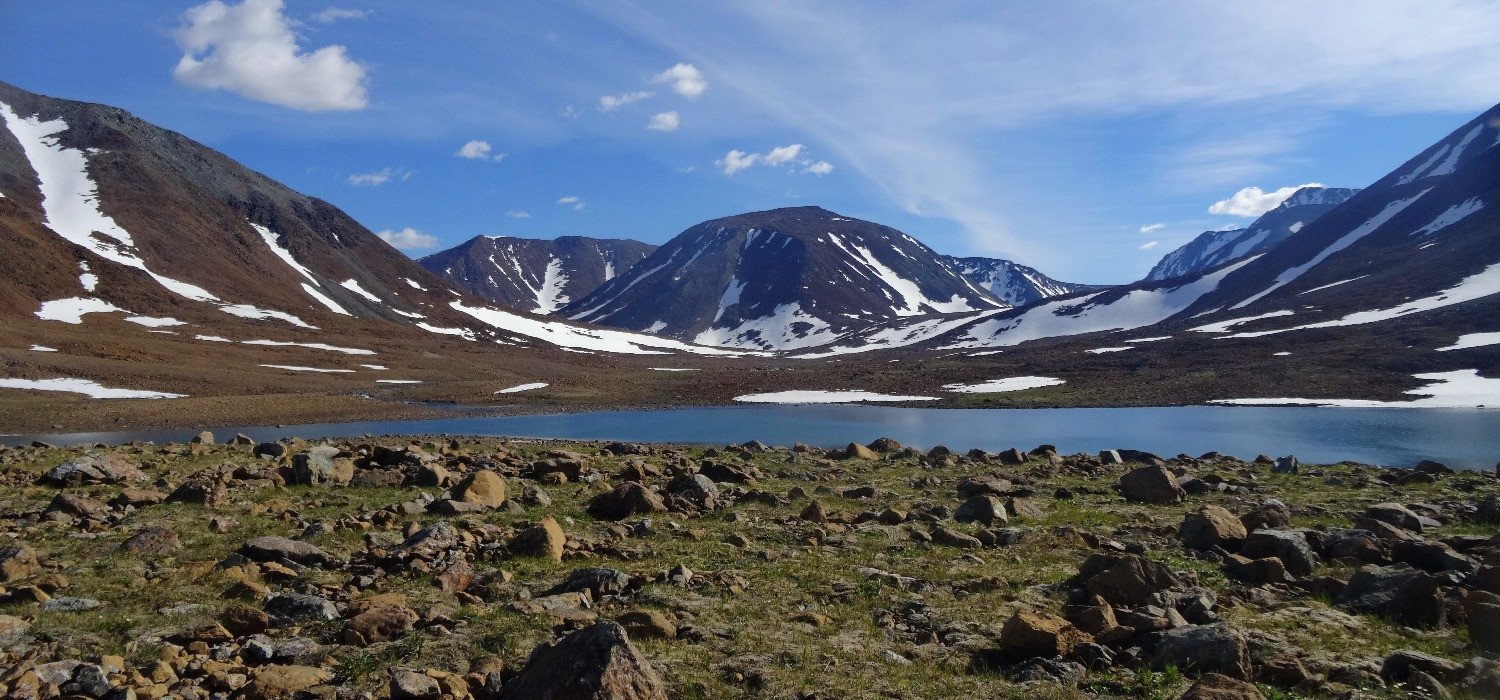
[
  {"x": 1013, "y": 283},
  {"x": 782, "y": 279},
  {"x": 1417, "y": 255},
  {"x": 1214, "y": 248},
  {"x": 103, "y": 215},
  {"x": 540, "y": 276}
]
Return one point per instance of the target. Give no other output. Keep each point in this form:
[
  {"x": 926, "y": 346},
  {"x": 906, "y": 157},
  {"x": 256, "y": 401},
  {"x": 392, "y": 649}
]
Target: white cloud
[
  {"x": 574, "y": 202},
  {"x": 665, "y": 121},
  {"x": 819, "y": 168},
  {"x": 336, "y": 14},
  {"x": 1252, "y": 201},
  {"x": 379, "y": 177},
  {"x": 1148, "y": 245},
  {"x": 1152, "y": 228},
  {"x": 737, "y": 160},
  {"x": 408, "y": 239},
  {"x": 783, "y": 155},
  {"x": 610, "y": 103},
  {"x": 686, "y": 80},
  {"x": 250, "y": 49},
  {"x": 518, "y": 214},
  {"x": 478, "y": 150}
]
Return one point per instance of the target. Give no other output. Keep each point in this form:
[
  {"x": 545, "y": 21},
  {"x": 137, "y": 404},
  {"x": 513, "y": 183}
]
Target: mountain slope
[
  {"x": 1013, "y": 283},
  {"x": 104, "y": 213},
  {"x": 1214, "y": 248},
  {"x": 540, "y": 276},
  {"x": 780, "y": 280}
]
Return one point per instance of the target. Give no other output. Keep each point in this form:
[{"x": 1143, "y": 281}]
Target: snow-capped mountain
[
  {"x": 783, "y": 279},
  {"x": 540, "y": 276},
  {"x": 1418, "y": 252},
  {"x": 1013, "y": 283},
  {"x": 103, "y": 213},
  {"x": 1214, "y": 248}
]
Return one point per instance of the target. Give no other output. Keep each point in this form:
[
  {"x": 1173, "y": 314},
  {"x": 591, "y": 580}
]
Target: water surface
[{"x": 1468, "y": 438}]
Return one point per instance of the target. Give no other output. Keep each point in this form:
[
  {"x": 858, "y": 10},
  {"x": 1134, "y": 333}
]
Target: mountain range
[{"x": 132, "y": 255}]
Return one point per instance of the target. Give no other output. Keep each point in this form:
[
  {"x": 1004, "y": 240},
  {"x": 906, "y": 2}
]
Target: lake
[{"x": 1466, "y": 438}]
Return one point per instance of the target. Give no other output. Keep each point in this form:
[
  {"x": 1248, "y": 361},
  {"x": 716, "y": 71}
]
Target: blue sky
[{"x": 1048, "y": 133}]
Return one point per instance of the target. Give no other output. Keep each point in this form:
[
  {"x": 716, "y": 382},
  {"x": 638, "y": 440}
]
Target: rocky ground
[{"x": 426, "y": 567}]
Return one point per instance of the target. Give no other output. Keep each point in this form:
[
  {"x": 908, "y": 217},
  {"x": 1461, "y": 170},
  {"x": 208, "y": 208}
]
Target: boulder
[
  {"x": 599, "y": 581},
  {"x": 1211, "y": 526},
  {"x": 380, "y": 623},
  {"x": 1011, "y": 456},
  {"x": 1216, "y": 686},
  {"x": 484, "y": 487},
  {"x": 648, "y": 624},
  {"x": 1216, "y": 648},
  {"x": 1029, "y": 633},
  {"x": 1124, "y": 579},
  {"x": 154, "y": 541},
  {"x": 1484, "y": 627},
  {"x": 858, "y": 451},
  {"x": 283, "y": 682},
  {"x": 544, "y": 539},
  {"x": 986, "y": 510},
  {"x": 1285, "y": 465},
  {"x": 77, "y": 505},
  {"x": 1289, "y": 546},
  {"x": 1400, "y": 666},
  {"x": 278, "y": 548},
  {"x": 321, "y": 465},
  {"x": 1402, "y": 593},
  {"x": 1395, "y": 514},
  {"x": 1435, "y": 557},
  {"x": 1256, "y": 572},
  {"x": 594, "y": 663},
  {"x": 431, "y": 542},
  {"x": 625, "y": 500},
  {"x": 1151, "y": 485},
  {"x": 93, "y": 469},
  {"x": 17, "y": 561},
  {"x": 290, "y": 608},
  {"x": 407, "y": 684},
  {"x": 1356, "y": 544}
]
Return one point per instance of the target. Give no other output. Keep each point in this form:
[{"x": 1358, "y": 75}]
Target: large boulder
[
  {"x": 279, "y": 548},
  {"x": 1029, "y": 633},
  {"x": 17, "y": 561},
  {"x": 483, "y": 488},
  {"x": 544, "y": 539},
  {"x": 594, "y": 663},
  {"x": 1402, "y": 593},
  {"x": 627, "y": 499},
  {"x": 1289, "y": 546},
  {"x": 1484, "y": 627},
  {"x": 1217, "y": 686},
  {"x": 599, "y": 581},
  {"x": 1211, "y": 526},
  {"x": 1395, "y": 514},
  {"x": 93, "y": 469},
  {"x": 321, "y": 465},
  {"x": 1151, "y": 485},
  {"x": 380, "y": 623},
  {"x": 283, "y": 682},
  {"x": 983, "y": 509},
  {"x": 1216, "y": 648},
  {"x": 1124, "y": 579}
]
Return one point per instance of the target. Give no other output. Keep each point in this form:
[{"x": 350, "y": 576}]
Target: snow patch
[
  {"x": 398, "y": 381},
  {"x": 414, "y": 285},
  {"x": 996, "y": 386},
  {"x": 155, "y": 321},
  {"x": 315, "y": 346},
  {"x": 352, "y": 285},
  {"x": 1101, "y": 351},
  {"x": 1473, "y": 340},
  {"x": 787, "y": 327},
  {"x": 1453, "y": 215},
  {"x": 87, "y": 387},
  {"x": 1224, "y": 326},
  {"x": 42, "y": 348},
  {"x": 675, "y": 369},
  {"x": 248, "y": 311},
  {"x": 522, "y": 387},
  {"x": 299, "y": 368},
  {"x": 815, "y": 396},
  {"x": 1335, "y": 284},
  {"x": 1462, "y": 388},
  {"x": 72, "y": 309},
  {"x": 569, "y": 336},
  {"x": 325, "y": 301}
]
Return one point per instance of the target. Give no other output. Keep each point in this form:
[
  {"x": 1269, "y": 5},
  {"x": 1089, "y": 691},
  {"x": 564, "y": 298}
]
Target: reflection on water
[{"x": 1393, "y": 437}]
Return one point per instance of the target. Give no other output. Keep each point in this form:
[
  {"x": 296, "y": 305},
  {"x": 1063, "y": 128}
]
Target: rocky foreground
[{"x": 486, "y": 568}]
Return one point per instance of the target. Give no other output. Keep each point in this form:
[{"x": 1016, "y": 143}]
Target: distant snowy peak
[
  {"x": 1212, "y": 249},
  {"x": 539, "y": 276},
  {"x": 1013, "y": 283},
  {"x": 784, "y": 279}
]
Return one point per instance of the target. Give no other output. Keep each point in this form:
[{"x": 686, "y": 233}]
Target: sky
[{"x": 1086, "y": 138}]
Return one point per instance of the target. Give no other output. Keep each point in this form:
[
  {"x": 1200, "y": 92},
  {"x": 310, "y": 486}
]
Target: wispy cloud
[
  {"x": 339, "y": 14},
  {"x": 250, "y": 49},
  {"x": 1148, "y": 245},
  {"x": 379, "y": 177},
  {"x": 922, "y": 114},
  {"x": 610, "y": 103},
  {"x": 792, "y": 154},
  {"x": 571, "y": 201},
  {"x": 408, "y": 239},
  {"x": 1251, "y": 202},
  {"x": 1152, "y": 228},
  {"x": 518, "y": 214},
  {"x": 478, "y": 150}
]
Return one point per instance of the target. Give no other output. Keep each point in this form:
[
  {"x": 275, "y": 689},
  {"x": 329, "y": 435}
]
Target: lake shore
[{"x": 389, "y": 564}]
